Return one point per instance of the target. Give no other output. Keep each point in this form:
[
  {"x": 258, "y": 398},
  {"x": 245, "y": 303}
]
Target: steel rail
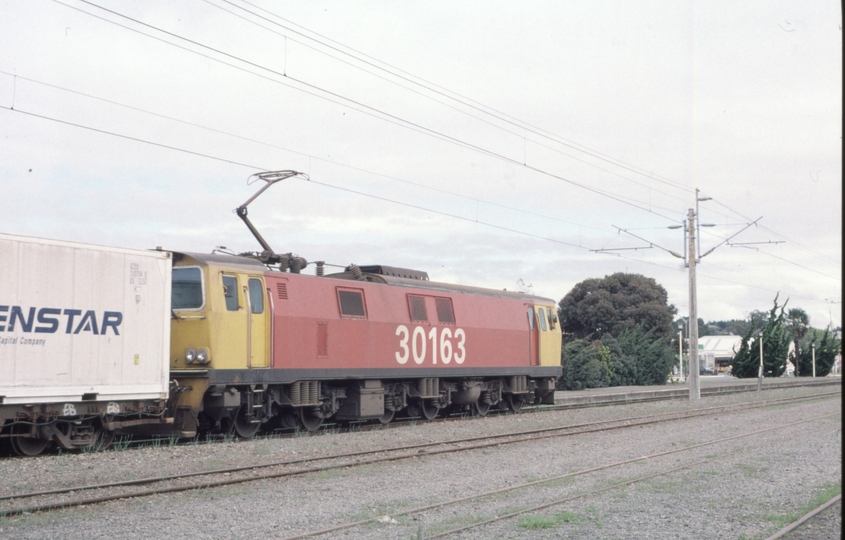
[
  {"x": 792, "y": 526},
  {"x": 494, "y": 440}
]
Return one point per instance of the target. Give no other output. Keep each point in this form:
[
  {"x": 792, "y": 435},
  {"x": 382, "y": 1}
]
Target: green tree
[
  {"x": 798, "y": 324},
  {"x": 654, "y": 357},
  {"x": 586, "y": 364},
  {"x": 614, "y": 304},
  {"x": 775, "y": 340},
  {"x": 826, "y": 347},
  {"x": 624, "y": 365}
]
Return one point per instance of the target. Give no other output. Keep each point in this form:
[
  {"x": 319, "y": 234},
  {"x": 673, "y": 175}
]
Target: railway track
[
  {"x": 97, "y": 493},
  {"x": 805, "y": 518},
  {"x": 560, "y": 501}
]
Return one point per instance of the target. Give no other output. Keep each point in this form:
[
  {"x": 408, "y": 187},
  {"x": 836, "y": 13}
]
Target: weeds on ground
[
  {"x": 823, "y": 494},
  {"x": 548, "y": 522}
]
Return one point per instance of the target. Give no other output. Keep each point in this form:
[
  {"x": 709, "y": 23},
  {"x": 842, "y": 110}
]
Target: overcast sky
[{"x": 496, "y": 144}]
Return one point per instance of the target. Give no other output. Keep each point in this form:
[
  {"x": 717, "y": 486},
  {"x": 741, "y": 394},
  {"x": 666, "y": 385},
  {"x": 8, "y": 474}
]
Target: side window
[
  {"x": 542, "y": 318},
  {"x": 445, "y": 314},
  {"x": 352, "y": 303},
  {"x": 230, "y": 291},
  {"x": 187, "y": 289},
  {"x": 416, "y": 305},
  {"x": 256, "y": 295},
  {"x": 531, "y": 318}
]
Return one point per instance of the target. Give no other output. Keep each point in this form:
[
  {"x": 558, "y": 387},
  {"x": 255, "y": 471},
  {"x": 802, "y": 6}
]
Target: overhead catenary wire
[
  {"x": 361, "y": 107},
  {"x": 495, "y": 114},
  {"x": 304, "y": 154},
  {"x": 261, "y": 168}
]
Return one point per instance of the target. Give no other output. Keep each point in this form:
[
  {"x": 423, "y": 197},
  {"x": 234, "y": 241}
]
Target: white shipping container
[{"x": 82, "y": 320}]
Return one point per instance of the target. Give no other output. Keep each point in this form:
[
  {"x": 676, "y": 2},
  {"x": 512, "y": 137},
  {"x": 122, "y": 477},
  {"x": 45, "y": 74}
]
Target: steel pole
[
  {"x": 814, "y": 359},
  {"x": 694, "y": 388},
  {"x": 760, "y": 371},
  {"x": 681, "y": 355}
]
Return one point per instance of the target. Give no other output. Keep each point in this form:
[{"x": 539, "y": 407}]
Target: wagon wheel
[
  {"x": 515, "y": 403},
  {"x": 26, "y": 446},
  {"x": 387, "y": 417},
  {"x": 428, "y": 410},
  {"x": 309, "y": 420},
  {"x": 244, "y": 428},
  {"x": 480, "y": 408},
  {"x": 101, "y": 440}
]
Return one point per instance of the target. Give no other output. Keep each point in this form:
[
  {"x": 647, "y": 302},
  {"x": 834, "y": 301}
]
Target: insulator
[
  {"x": 320, "y": 268},
  {"x": 356, "y": 271}
]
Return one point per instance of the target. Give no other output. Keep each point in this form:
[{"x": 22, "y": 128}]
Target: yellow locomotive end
[{"x": 220, "y": 314}]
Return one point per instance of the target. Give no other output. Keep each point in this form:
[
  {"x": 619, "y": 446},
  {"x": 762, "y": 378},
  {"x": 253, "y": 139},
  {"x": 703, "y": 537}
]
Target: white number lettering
[
  {"x": 419, "y": 353},
  {"x": 433, "y": 337},
  {"x": 446, "y": 345},
  {"x": 113, "y": 408},
  {"x": 461, "y": 336},
  {"x": 403, "y": 343},
  {"x": 69, "y": 410},
  {"x": 418, "y": 345}
]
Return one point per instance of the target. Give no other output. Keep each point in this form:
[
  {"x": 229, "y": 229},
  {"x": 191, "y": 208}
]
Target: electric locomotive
[{"x": 257, "y": 344}]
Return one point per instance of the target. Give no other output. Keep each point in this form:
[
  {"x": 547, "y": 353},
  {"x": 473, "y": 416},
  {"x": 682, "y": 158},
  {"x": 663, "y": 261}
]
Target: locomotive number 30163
[{"x": 414, "y": 343}]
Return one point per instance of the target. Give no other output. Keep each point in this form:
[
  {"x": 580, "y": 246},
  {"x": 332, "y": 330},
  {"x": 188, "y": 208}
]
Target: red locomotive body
[{"x": 391, "y": 329}]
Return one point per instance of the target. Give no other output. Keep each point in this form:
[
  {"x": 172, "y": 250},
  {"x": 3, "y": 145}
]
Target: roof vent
[{"x": 395, "y": 272}]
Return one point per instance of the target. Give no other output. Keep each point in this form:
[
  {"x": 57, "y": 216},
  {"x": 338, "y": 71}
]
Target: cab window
[
  {"x": 256, "y": 295},
  {"x": 187, "y": 289},
  {"x": 542, "y": 318},
  {"x": 230, "y": 291},
  {"x": 531, "y": 318}
]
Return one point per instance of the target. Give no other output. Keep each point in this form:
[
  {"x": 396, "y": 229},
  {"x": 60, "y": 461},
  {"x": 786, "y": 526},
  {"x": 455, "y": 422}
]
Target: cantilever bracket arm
[
  {"x": 271, "y": 177},
  {"x": 651, "y": 244},
  {"x": 726, "y": 240}
]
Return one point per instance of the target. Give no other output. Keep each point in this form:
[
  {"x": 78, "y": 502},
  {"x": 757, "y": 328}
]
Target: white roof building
[{"x": 723, "y": 348}]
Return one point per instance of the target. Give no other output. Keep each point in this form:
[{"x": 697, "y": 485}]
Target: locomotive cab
[
  {"x": 220, "y": 313},
  {"x": 220, "y": 321}
]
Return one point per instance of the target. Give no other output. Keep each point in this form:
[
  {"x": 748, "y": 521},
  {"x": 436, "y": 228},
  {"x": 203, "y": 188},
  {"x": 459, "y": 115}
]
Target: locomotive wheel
[
  {"x": 27, "y": 446},
  {"x": 480, "y": 409},
  {"x": 514, "y": 403},
  {"x": 244, "y": 428},
  {"x": 288, "y": 418},
  {"x": 387, "y": 417},
  {"x": 428, "y": 410},
  {"x": 308, "y": 420}
]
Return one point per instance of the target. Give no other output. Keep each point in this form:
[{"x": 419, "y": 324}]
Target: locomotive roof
[
  {"x": 444, "y": 287},
  {"x": 222, "y": 259},
  {"x": 255, "y": 265}
]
